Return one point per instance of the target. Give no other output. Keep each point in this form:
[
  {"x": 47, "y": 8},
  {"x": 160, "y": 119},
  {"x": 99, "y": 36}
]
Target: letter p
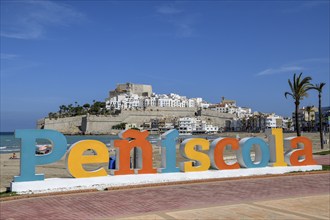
[{"x": 29, "y": 159}]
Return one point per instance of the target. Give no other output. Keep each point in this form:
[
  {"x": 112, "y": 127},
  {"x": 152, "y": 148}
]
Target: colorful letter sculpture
[
  {"x": 217, "y": 151},
  {"x": 188, "y": 150},
  {"x": 302, "y": 152},
  {"x": 262, "y": 154},
  {"x": 29, "y": 159},
  {"x": 76, "y": 159},
  {"x": 138, "y": 139},
  {"x": 168, "y": 163},
  {"x": 199, "y": 154}
]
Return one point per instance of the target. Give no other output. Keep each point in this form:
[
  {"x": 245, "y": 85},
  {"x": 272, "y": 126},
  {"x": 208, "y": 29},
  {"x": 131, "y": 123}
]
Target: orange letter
[
  {"x": 125, "y": 147},
  {"x": 302, "y": 156},
  {"x": 216, "y": 153}
]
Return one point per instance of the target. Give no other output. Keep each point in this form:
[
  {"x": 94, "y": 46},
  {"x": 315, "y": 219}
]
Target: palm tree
[
  {"x": 313, "y": 120},
  {"x": 50, "y": 115},
  {"x": 319, "y": 88},
  {"x": 309, "y": 109},
  {"x": 299, "y": 88},
  {"x": 86, "y": 107},
  {"x": 288, "y": 124}
]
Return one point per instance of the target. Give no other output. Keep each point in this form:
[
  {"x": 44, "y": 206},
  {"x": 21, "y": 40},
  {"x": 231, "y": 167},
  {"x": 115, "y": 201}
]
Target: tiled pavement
[
  {"x": 281, "y": 197},
  {"x": 310, "y": 207},
  {"x": 322, "y": 159}
]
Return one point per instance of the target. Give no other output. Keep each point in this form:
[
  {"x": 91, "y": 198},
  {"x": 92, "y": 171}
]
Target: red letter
[
  {"x": 125, "y": 147},
  {"x": 295, "y": 154},
  {"x": 216, "y": 153}
]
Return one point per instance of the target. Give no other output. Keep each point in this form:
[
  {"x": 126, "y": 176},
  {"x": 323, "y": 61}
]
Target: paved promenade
[
  {"x": 322, "y": 159},
  {"x": 298, "y": 196}
]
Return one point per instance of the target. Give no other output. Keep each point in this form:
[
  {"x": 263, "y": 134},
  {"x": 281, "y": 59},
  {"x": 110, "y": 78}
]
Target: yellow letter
[
  {"x": 188, "y": 151},
  {"x": 278, "y": 148},
  {"x": 75, "y": 158}
]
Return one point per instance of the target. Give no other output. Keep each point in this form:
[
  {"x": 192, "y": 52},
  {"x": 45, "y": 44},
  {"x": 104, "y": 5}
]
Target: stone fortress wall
[
  {"x": 69, "y": 125},
  {"x": 92, "y": 124}
]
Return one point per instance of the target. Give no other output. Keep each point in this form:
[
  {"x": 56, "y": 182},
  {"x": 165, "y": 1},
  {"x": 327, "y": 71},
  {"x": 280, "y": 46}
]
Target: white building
[
  {"x": 130, "y": 101},
  {"x": 274, "y": 121},
  {"x": 211, "y": 128},
  {"x": 243, "y": 112},
  {"x": 186, "y": 125},
  {"x": 191, "y": 125},
  {"x": 287, "y": 124},
  {"x": 123, "y": 101},
  {"x": 240, "y": 112}
]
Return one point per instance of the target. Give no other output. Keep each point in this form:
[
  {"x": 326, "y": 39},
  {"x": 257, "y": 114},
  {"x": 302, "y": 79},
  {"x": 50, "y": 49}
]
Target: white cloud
[
  {"x": 283, "y": 69},
  {"x": 21, "y": 67},
  {"x": 6, "y": 56},
  {"x": 295, "y": 66},
  {"x": 311, "y": 60},
  {"x": 30, "y": 19},
  {"x": 182, "y": 21},
  {"x": 305, "y": 5},
  {"x": 166, "y": 9}
]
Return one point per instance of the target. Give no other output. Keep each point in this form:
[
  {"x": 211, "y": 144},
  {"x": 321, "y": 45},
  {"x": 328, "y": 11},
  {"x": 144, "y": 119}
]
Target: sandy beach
[{"x": 10, "y": 167}]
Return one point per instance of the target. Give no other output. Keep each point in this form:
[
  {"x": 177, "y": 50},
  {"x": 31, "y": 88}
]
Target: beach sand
[{"x": 10, "y": 167}]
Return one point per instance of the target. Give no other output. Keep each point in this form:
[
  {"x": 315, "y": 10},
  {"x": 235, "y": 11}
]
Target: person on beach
[{"x": 13, "y": 157}]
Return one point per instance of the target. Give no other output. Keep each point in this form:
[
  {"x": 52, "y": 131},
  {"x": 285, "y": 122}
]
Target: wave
[
  {"x": 3, "y": 151},
  {"x": 41, "y": 145},
  {"x": 9, "y": 148}
]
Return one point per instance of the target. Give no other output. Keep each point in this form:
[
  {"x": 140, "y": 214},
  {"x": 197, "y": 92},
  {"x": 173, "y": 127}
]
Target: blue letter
[
  {"x": 29, "y": 159},
  {"x": 262, "y": 153},
  {"x": 168, "y": 164}
]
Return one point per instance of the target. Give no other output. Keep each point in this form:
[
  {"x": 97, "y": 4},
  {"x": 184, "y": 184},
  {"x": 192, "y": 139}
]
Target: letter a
[{"x": 300, "y": 157}]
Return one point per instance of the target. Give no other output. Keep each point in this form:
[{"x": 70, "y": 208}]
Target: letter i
[{"x": 168, "y": 163}]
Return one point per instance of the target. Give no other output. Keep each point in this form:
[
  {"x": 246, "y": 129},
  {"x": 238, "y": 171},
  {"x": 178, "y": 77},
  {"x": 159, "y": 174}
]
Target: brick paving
[
  {"x": 322, "y": 159},
  {"x": 117, "y": 203}
]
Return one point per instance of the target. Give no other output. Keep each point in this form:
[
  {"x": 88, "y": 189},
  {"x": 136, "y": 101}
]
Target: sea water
[{"x": 10, "y": 144}]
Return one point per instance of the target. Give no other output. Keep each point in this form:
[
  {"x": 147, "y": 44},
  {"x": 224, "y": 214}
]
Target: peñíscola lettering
[{"x": 193, "y": 149}]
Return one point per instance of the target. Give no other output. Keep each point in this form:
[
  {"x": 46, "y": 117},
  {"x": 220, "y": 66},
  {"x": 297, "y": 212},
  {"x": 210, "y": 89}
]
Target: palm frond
[
  {"x": 319, "y": 87},
  {"x": 290, "y": 84},
  {"x": 288, "y": 93},
  {"x": 299, "y": 87}
]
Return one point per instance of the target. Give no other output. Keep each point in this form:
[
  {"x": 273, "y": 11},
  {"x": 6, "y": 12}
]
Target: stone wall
[
  {"x": 103, "y": 124},
  {"x": 139, "y": 89},
  {"x": 93, "y": 124},
  {"x": 216, "y": 118},
  {"x": 70, "y": 125},
  {"x": 41, "y": 123}
]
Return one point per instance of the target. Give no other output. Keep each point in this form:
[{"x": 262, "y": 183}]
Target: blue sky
[{"x": 59, "y": 52}]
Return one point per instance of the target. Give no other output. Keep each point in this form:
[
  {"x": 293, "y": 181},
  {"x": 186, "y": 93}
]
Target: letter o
[{"x": 262, "y": 154}]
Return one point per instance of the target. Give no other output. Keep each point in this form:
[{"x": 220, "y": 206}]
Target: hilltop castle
[
  {"x": 136, "y": 96},
  {"x": 136, "y": 105}
]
